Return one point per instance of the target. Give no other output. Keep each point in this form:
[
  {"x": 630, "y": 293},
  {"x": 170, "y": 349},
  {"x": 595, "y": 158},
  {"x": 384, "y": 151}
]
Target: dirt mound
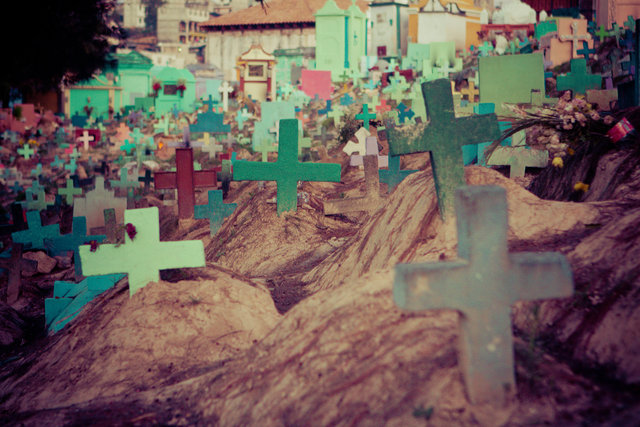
[{"x": 120, "y": 344}]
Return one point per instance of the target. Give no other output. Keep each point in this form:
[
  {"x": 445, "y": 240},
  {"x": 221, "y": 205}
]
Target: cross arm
[
  {"x": 165, "y": 180},
  {"x": 431, "y": 285},
  {"x": 318, "y": 172},
  {"x": 256, "y": 171},
  {"x": 205, "y": 178},
  {"x": 540, "y": 276}
]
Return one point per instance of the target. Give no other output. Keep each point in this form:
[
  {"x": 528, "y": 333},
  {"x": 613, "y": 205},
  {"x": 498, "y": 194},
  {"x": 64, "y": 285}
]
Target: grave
[
  {"x": 579, "y": 79},
  {"x": 518, "y": 158},
  {"x": 443, "y": 138},
  {"x": 482, "y": 285},
  {"x": 143, "y": 255},
  {"x": 287, "y": 170}
]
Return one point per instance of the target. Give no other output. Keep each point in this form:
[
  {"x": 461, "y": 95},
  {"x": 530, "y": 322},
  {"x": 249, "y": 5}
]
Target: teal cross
[
  {"x": 127, "y": 147},
  {"x": 210, "y": 104},
  {"x": 482, "y": 284},
  {"x": 444, "y": 138},
  {"x": 141, "y": 256},
  {"x": 71, "y": 166},
  {"x": 630, "y": 23},
  {"x": 26, "y": 151},
  {"x": 287, "y": 171},
  {"x": 69, "y": 191},
  {"x": 37, "y": 171},
  {"x": 215, "y": 211},
  {"x": 616, "y": 31},
  {"x": 485, "y": 49},
  {"x": 72, "y": 242},
  {"x": 585, "y": 51},
  {"x": 136, "y": 135},
  {"x": 57, "y": 162},
  {"x": 34, "y": 236},
  {"x": 124, "y": 180},
  {"x": 602, "y": 33},
  {"x": 394, "y": 175},
  {"x": 365, "y": 116},
  {"x": 579, "y": 80}
]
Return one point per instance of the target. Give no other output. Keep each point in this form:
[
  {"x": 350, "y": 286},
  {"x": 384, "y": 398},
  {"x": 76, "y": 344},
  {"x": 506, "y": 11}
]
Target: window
[
  {"x": 183, "y": 26},
  {"x": 382, "y": 51},
  {"x": 256, "y": 70},
  {"x": 170, "y": 89}
]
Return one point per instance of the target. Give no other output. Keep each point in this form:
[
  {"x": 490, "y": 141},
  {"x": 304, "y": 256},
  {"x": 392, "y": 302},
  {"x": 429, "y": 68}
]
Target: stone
[
  {"x": 482, "y": 285},
  {"x": 46, "y": 264}
]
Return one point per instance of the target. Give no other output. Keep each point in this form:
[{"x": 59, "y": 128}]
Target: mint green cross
[
  {"x": 443, "y": 138},
  {"x": 26, "y": 151},
  {"x": 69, "y": 191},
  {"x": 287, "y": 171},
  {"x": 365, "y": 116},
  {"x": 145, "y": 255}
]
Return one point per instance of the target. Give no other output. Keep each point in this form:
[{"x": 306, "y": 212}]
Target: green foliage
[
  {"x": 349, "y": 128},
  {"x": 47, "y": 43}
]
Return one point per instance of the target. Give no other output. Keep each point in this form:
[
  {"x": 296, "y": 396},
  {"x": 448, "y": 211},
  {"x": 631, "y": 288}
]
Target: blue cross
[
  {"x": 215, "y": 211},
  {"x": 34, "y": 236},
  {"x": 394, "y": 175},
  {"x": 585, "y": 51}
]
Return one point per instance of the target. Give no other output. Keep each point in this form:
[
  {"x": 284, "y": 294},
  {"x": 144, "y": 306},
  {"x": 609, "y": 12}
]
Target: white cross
[
  {"x": 225, "y": 89},
  {"x": 575, "y": 38},
  {"x": 85, "y": 139}
]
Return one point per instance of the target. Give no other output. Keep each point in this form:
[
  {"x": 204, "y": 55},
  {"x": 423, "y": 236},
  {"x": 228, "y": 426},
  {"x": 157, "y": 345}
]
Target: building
[
  {"x": 179, "y": 21},
  {"x": 389, "y": 28},
  {"x": 133, "y": 14},
  {"x": 289, "y": 24}
]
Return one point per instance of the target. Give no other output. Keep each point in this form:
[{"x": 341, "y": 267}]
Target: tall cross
[
  {"x": 287, "y": 171},
  {"x": 185, "y": 180},
  {"x": 15, "y": 264},
  {"x": 225, "y": 89},
  {"x": 142, "y": 255},
  {"x": 215, "y": 211},
  {"x": 482, "y": 284},
  {"x": 444, "y": 137}
]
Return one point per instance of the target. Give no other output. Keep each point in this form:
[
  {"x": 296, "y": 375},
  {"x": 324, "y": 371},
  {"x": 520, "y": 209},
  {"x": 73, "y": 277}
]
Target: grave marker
[
  {"x": 370, "y": 202},
  {"x": 394, "y": 175},
  {"x": 518, "y": 158},
  {"x": 95, "y": 202},
  {"x": 215, "y": 211},
  {"x": 14, "y": 266},
  {"x": 69, "y": 191},
  {"x": 185, "y": 180},
  {"x": 579, "y": 79},
  {"x": 482, "y": 284},
  {"x": 287, "y": 171},
  {"x": 142, "y": 257},
  {"x": 443, "y": 138},
  {"x": 34, "y": 236}
]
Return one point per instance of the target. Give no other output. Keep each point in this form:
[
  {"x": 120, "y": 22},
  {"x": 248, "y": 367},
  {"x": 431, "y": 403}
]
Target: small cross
[
  {"x": 15, "y": 264},
  {"x": 575, "y": 38},
  {"x": 185, "y": 180},
  {"x": 147, "y": 179},
  {"x": 482, "y": 285},
  {"x": 69, "y": 191},
  {"x": 579, "y": 79},
  {"x": 71, "y": 166},
  {"x": 127, "y": 147},
  {"x": 404, "y": 113},
  {"x": 470, "y": 92},
  {"x": 485, "y": 49},
  {"x": 124, "y": 180},
  {"x": 602, "y": 33},
  {"x": 444, "y": 138},
  {"x": 215, "y": 211},
  {"x": 371, "y": 149},
  {"x": 26, "y": 151},
  {"x": 85, "y": 139},
  {"x": 242, "y": 116},
  {"x": 630, "y": 23},
  {"x": 287, "y": 171},
  {"x": 394, "y": 175},
  {"x": 136, "y": 135},
  {"x": 365, "y": 116},
  {"x": 141, "y": 256},
  {"x": 225, "y": 89}
]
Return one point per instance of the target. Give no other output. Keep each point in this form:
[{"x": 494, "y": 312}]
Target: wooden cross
[
  {"x": 371, "y": 149},
  {"x": 470, "y": 92},
  {"x": 365, "y": 116},
  {"x": 95, "y": 202},
  {"x": 394, "y": 175},
  {"x": 33, "y": 237},
  {"x": 142, "y": 256},
  {"x": 370, "y": 202},
  {"x": 287, "y": 171},
  {"x": 518, "y": 158},
  {"x": 215, "y": 211},
  {"x": 585, "y": 51},
  {"x": 575, "y": 38},
  {"x": 185, "y": 180},
  {"x": 26, "y": 151},
  {"x": 579, "y": 79},
  {"x": 69, "y": 191},
  {"x": 85, "y": 139},
  {"x": 482, "y": 285},
  {"x": 15, "y": 264},
  {"x": 444, "y": 138}
]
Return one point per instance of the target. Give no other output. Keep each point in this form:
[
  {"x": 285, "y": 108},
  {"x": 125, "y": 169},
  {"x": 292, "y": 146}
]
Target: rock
[
  {"x": 45, "y": 263},
  {"x": 64, "y": 261},
  {"x": 11, "y": 325}
]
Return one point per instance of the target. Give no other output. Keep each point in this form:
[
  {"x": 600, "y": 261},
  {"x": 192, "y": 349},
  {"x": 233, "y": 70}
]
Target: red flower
[
  {"x": 131, "y": 230},
  {"x": 157, "y": 86}
]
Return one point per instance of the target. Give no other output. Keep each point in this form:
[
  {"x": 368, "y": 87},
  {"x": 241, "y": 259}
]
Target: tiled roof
[{"x": 277, "y": 12}]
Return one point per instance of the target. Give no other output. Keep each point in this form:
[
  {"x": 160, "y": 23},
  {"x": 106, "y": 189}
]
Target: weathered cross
[
  {"x": 185, "y": 180},
  {"x": 95, "y": 202},
  {"x": 142, "y": 256},
  {"x": 225, "y": 88},
  {"x": 370, "y": 202},
  {"x": 287, "y": 171},
  {"x": 518, "y": 158},
  {"x": 444, "y": 137},
  {"x": 69, "y": 191},
  {"x": 85, "y": 139},
  {"x": 482, "y": 285},
  {"x": 394, "y": 175},
  {"x": 585, "y": 51},
  {"x": 215, "y": 211},
  {"x": 575, "y": 38},
  {"x": 14, "y": 265}
]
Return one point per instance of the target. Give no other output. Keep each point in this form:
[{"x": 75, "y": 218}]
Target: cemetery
[{"x": 429, "y": 217}]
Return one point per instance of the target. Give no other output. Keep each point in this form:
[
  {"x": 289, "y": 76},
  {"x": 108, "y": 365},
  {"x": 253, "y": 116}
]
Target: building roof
[{"x": 278, "y": 12}]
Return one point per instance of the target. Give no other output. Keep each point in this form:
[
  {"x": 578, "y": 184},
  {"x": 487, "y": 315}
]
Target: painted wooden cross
[
  {"x": 185, "y": 180},
  {"x": 215, "y": 211},
  {"x": 575, "y": 38},
  {"x": 444, "y": 137},
  {"x": 33, "y": 237},
  {"x": 579, "y": 79},
  {"x": 85, "y": 139},
  {"x": 518, "y": 158},
  {"x": 394, "y": 175},
  {"x": 225, "y": 89},
  {"x": 72, "y": 241},
  {"x": 69, "y": 191},
  {"x": 482, "y": 285},
  {"x": 365, "y": 116},
  {"x": 142, "y": 256},
  {"x": 371, "y": 149},
  {"x": 471, "y": 92},
  {"x": 26, "y": 151},
  {"x": 370, "y": 202},
  {"x": 287, "y": 171}
]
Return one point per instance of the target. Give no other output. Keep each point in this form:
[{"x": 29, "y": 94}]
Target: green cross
[
  {"x": 365, "y": 116},
  {"x": 444, "y": 137},
  {"x": 143, "y": 256},
  {"x": 215, "y": 211},
  {"x": 136, "y": 135},
  {"x": 287, "y": 171},
  {"x": 394, "y": 175},
  {"x": 579, "y": 79},
  {"x": 602, "y": 33},
  {"x": 124, "y": 180},
  {"x": 33, "y": 237},
  {"x": 26, "y": 151},
  {"x": 69, "y": 191}
]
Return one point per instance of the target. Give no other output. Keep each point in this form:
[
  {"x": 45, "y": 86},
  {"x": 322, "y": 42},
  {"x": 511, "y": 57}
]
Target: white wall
[
  {"x": 441, "y": 27},
  {"x": 133, "y": 14},
  {"x": 224, "y": 48}
]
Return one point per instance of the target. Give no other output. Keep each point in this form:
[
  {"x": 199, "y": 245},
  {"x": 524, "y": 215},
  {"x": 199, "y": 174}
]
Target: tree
[
  {"x": 51, "y": 42},
  {"x": 151, "y": 15}
]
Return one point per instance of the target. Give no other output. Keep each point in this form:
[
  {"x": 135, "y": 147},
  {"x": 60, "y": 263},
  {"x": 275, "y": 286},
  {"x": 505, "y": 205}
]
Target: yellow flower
[
  {"x": 557, "y": 162},
  {"x": 581, "y": 186}
]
